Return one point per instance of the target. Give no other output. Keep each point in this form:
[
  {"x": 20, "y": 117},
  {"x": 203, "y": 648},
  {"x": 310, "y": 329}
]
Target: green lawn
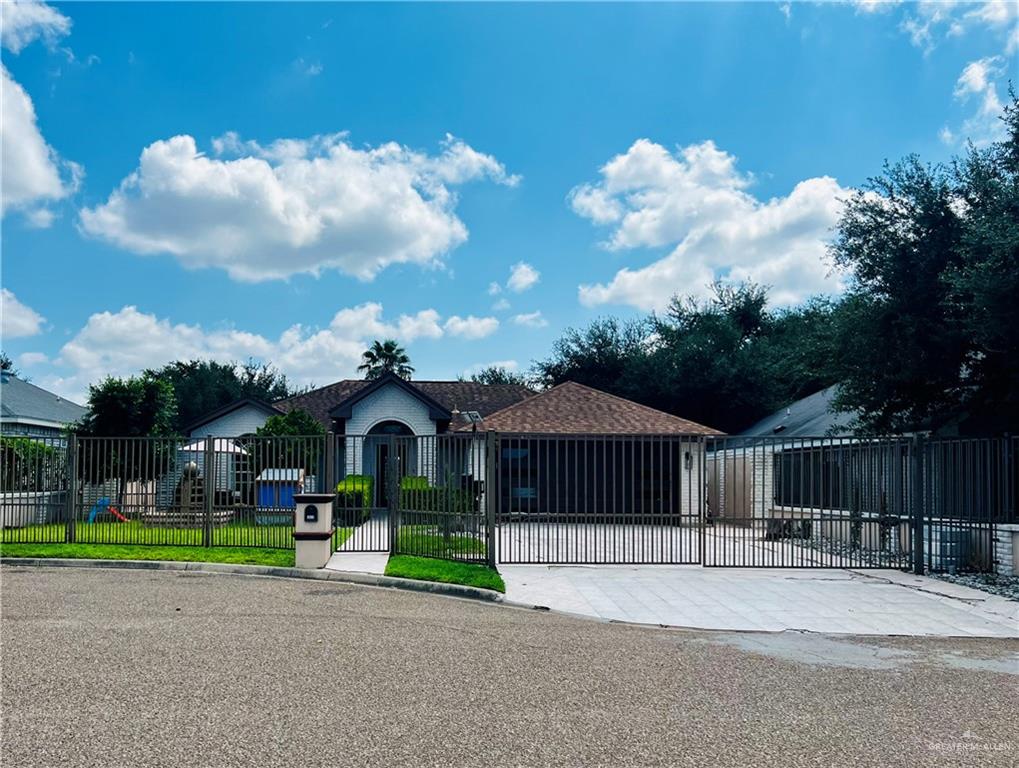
[
  {"x": 134, "y": 533},
  {"x": 428, "y": 541},
  {"x": 249, "y": 555},
  {"x": 430, "y": 569}
]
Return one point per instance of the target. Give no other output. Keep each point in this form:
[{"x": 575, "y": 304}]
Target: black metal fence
[
  {"x": 809, "y": 502},
  {"x": 822, "y": 502},
  {"x": 599, "y": 498},
  {"x": 160, "y": 491},
  {"x": 882, "y": 502},
  {"x": 438, "y": 501}
]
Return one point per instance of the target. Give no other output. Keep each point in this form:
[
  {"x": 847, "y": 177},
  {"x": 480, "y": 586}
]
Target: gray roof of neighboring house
[
  {"x": 810, "y": 417},
  {"x": 20, "y": 400}
]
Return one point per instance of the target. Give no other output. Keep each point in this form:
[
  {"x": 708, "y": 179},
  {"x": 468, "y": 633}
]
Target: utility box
[{"x": 313, "y": 529}]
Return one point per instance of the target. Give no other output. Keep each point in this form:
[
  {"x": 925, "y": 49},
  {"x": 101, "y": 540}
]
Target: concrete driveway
[{"x": 880, "y": 602}]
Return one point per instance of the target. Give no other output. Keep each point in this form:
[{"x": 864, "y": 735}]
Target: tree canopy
[
  {"x": 495, "y": 374},
  {"x": 724, "y": 362},
  {"x": 385, "y": 357},
  {"x": 138, "y": 406},
  {"x": 202, "y": 386},
  {"x": 297, "y": 422},
  {"x": 930, "y": 337}
]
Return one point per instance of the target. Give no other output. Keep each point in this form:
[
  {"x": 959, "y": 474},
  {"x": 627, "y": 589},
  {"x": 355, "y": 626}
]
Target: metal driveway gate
[{"x": 599, "y": 498}]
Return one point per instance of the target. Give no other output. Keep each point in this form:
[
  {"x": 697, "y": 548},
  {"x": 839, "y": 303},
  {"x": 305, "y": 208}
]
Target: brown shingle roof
[
  {"x": 453, "y": 395},
  {"x": 572, "y": 408}
]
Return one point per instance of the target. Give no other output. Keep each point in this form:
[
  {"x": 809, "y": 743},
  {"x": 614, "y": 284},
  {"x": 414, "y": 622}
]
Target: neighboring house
[
  {"x": 241, "y": 417},
  {"x": 805, "y": 463},
  {"x": 31, "y": 487},
  {"x": 31, "y": 411},
  {"x": 812, "y": 416},
  {"x": 798, "y": 459}
]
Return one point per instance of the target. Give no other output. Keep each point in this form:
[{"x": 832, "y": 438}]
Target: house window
[{"x": 809, "y": 477}]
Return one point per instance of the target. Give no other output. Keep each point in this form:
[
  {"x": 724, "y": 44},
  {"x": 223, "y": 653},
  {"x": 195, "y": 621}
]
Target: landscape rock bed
[{"x": 996, "y": 584}]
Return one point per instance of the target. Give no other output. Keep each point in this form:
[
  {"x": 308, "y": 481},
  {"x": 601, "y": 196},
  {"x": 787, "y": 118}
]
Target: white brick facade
[{"x": 390, "y": 403}]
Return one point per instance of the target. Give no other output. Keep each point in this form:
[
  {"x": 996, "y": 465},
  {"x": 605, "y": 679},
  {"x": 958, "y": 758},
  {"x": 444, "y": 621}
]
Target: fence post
[
  {"x": 330, "y": 473},
  {"x": 72, "y": 487},
  {"x": 209, "y": 470},
  {"x": 491, "y": 495},
  {"x": 918, "y": 504}
]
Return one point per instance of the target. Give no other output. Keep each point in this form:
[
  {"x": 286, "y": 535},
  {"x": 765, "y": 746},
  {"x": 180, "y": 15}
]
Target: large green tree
[
  {"x": 139, "y": 406},
  {"x": 929, "y": 332},
  {"x": 725, "y": 362},
  {"x": 385, "y": 357},
  {"x": 984, "y": 287},
  {"x": 202, "y": 386}
]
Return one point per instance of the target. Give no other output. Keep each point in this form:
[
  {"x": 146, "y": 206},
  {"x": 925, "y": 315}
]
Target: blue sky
[{"x": 289, "y": 181}]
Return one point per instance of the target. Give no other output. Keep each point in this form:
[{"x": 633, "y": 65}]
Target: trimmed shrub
[
  {"x": 413, "y": 483},
  {"x": 354, "y": 496},
  {"x": 452, "y": 501}
]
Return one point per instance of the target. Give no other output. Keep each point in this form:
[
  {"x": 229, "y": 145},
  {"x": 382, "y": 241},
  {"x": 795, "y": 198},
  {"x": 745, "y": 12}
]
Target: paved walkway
[
  {"x": 359, "y": 562},
  {"x": 881, "y": 602}
]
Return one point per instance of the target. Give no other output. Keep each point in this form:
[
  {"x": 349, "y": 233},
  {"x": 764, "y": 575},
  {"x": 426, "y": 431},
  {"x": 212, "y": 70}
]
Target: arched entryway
[{"x": 385, "y": 439}]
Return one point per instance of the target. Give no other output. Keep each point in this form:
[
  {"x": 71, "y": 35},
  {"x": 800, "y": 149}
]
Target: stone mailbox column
[{"x": 313, "y": 529}]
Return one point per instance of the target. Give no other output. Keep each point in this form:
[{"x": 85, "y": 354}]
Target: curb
[{"x": 237, "y": 569}]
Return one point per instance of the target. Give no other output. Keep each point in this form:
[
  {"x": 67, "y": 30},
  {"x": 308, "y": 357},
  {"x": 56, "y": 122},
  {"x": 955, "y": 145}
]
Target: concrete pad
[
  {"x": 358, "y": 562},
  {"x": 880, "y": 602}
]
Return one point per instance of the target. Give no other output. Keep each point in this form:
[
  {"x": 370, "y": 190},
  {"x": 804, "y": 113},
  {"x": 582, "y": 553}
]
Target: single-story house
[
  {"x": 30, "y": 411},
  {"x": 568, "y": 428}
]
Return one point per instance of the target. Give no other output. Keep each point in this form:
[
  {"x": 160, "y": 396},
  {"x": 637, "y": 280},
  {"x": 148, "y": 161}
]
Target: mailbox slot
[{"x": 311, "y": 513}]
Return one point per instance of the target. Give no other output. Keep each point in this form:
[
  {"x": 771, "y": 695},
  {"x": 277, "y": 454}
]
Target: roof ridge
[{"x": 601, "y": 393}]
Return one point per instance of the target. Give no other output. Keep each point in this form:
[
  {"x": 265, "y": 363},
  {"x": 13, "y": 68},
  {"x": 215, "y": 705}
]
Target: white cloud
[
  {"x": 531, "y": 320},
  {"x": 522, "y": 276},
  {"x": 697, "y": 201},
  {"x": 494, "y": 289},
  {"x": 874, "y": 6},
  {"x": 293, "y": 206},
  {"x": 977, "y": 83},
  {"x": 501, "y": 305},
  {"x": 17, "y": 319},
  {"x": 27, "y": 359},
  {"x": 928, "y": 23},
  {"x": 471, "y": 327},
  {"x": 506, "y": 365},
  {"x": 24, "y": 22},
  {"x": 33, "y": 173},
  {"x": 308, "y": 68},
  {"x": 125, "y": 342}
]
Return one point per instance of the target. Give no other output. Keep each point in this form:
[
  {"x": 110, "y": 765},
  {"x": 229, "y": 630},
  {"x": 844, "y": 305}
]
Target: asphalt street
[{"x": 136, "y": 668}]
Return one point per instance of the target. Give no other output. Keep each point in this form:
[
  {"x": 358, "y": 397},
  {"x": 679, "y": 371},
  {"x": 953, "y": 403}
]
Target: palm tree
[{"x": 385, "y": 357}]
